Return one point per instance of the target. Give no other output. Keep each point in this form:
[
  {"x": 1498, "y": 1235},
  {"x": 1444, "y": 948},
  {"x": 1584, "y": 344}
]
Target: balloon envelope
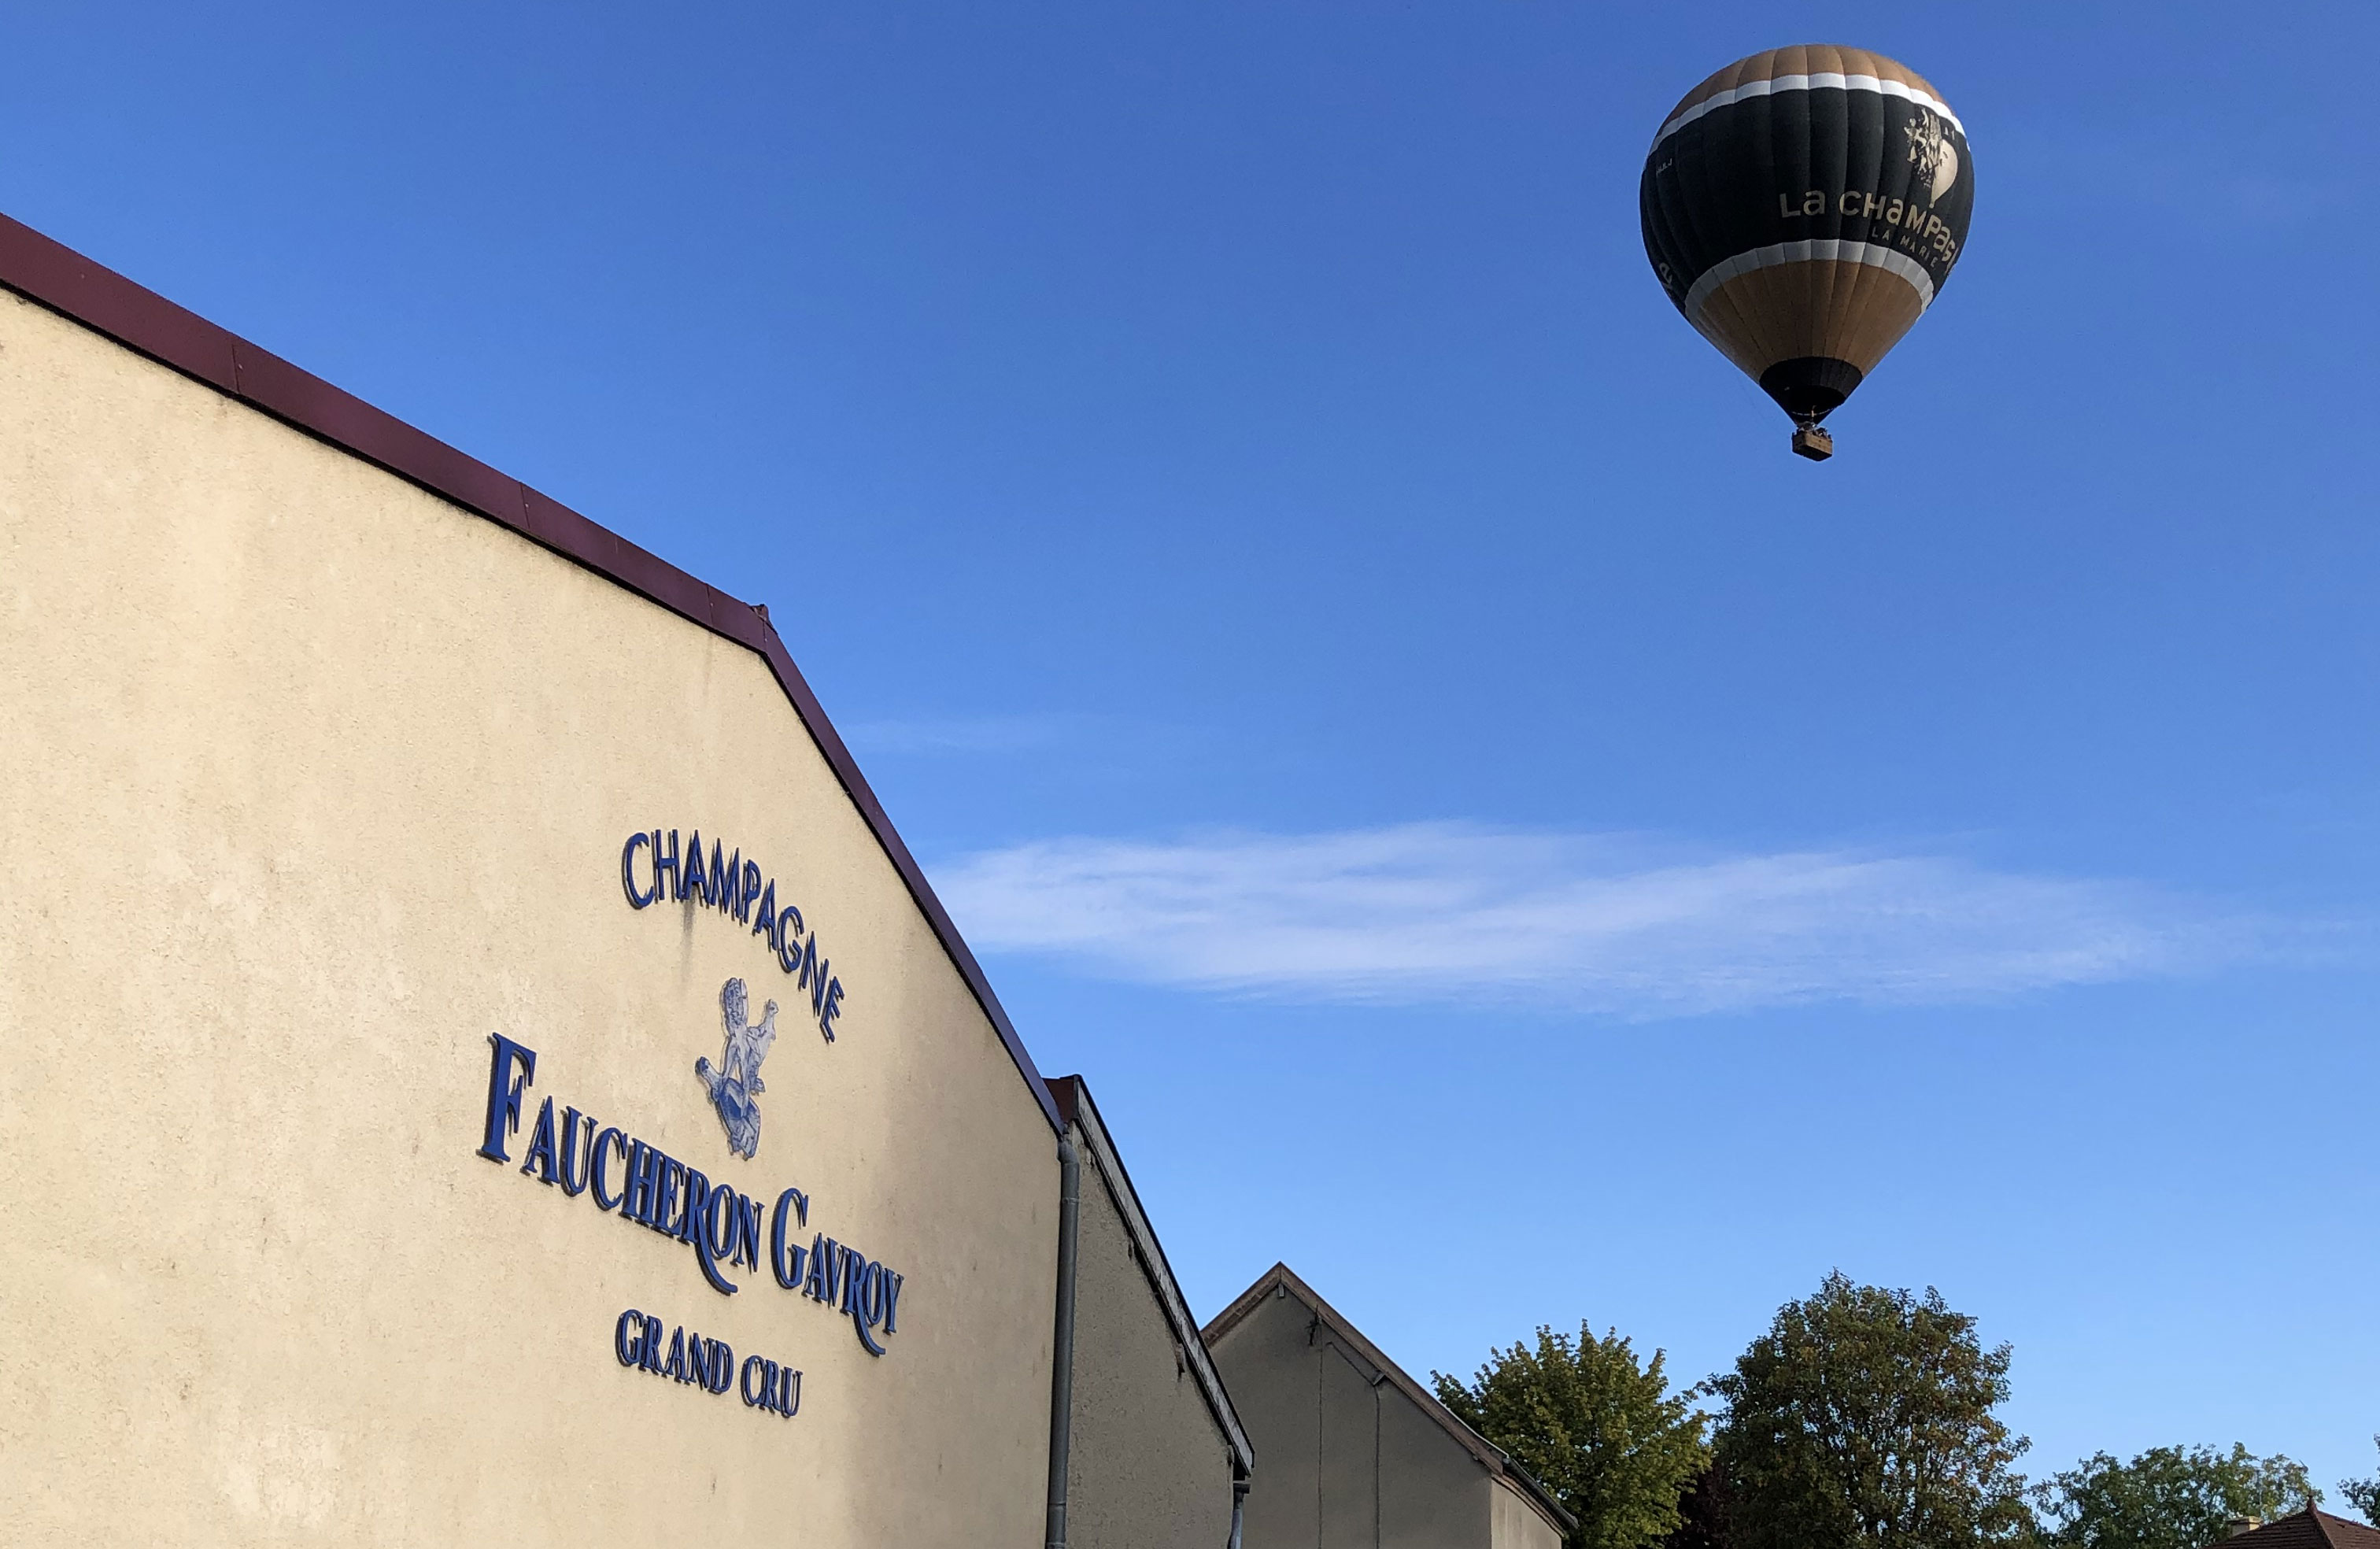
[{"x": 1802, "y": 207}]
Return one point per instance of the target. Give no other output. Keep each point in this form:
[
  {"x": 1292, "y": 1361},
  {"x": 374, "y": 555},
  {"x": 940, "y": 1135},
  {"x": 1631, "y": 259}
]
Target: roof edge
[
  {"x": 1490, "y": 1456},
  {"x": 52, "y": 275},
  {"x": 2328, "y": 1527},
  {"x": 1073, "y": 1095}
]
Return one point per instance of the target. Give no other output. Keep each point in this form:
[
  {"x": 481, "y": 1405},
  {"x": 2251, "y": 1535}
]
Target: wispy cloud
[{"x": 1613, "y": 925}]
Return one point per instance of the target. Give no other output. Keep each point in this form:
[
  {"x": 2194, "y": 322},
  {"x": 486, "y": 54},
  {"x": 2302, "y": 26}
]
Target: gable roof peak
[{"x": 1282, "y": 1281}]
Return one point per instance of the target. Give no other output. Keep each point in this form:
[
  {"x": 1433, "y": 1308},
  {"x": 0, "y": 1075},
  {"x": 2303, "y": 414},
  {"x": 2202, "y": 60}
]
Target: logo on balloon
[{"x": 1931, "y": 152}]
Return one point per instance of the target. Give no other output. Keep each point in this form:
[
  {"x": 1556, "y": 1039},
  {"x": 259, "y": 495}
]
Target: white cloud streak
[{"x": 1440, "y": 912}]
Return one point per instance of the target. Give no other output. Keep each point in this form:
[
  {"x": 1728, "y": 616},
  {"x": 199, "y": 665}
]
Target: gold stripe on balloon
[
  {"x": 1804, "y": 60},
  {"x": 1830, "y": 309}
]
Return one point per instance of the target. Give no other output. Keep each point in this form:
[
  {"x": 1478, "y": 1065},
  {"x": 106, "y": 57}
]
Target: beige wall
[
  {"x": 314, "y": 782},
  {"x": 1347, "y": 1462},
  {"x": 1273, "y": 1371},
  {"x": 1519, "y": 1525},
  {"x": 1148, "y": 1464},
  {"x": 1432, "y": 1491}
]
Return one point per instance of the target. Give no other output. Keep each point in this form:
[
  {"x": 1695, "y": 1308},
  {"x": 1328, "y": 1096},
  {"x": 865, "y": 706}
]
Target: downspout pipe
[
  {"x": 1239, "y": 1499},
  {"x": 1062, "y": 1363}
]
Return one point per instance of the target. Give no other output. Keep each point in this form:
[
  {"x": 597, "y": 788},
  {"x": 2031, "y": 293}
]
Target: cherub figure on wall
[{"x": 735, "y": 1083}]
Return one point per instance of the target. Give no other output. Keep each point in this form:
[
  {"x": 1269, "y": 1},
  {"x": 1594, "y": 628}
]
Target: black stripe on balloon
[
  {"x": 1801, "y": 166},
  {"x": 1811, "y": 387}
]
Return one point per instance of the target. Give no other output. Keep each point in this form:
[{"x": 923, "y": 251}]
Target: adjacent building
[
  {"x": 1353, "y": 1453},
  {"x": 1156, "y": 1456},
  {"x": 2310, "y": 1529}
]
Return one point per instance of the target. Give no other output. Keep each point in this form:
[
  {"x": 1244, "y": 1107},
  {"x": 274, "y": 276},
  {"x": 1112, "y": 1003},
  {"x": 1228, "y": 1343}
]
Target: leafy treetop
[
  {"x": 1600, "y": 1430},
  {"x": 2365, "y": 1493},
  {"x": 1864, "y": 1419},
  {"x": 2168, "y": 1497}
]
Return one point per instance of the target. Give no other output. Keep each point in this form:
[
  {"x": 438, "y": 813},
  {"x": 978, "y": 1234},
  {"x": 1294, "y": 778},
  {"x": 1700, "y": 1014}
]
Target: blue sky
[{"x": 1497, "y": 830}]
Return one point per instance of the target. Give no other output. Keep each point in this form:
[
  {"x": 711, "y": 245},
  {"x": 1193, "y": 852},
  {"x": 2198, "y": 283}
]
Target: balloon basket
[{"x": 1811, "y": 441}]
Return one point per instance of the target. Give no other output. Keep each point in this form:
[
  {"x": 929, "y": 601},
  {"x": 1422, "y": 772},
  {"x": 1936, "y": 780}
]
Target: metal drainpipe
[
  {"x": 1061, "y": 1364},
  {"x": 1239, "y": 1499}
]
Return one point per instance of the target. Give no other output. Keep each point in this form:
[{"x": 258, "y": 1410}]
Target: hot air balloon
[{"x": 1801, "y": 208}]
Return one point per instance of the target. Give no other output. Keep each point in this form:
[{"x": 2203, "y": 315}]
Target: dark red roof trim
[
  {"x": 2308, "y": 1529},
  {"x": 58, "y": 277}
]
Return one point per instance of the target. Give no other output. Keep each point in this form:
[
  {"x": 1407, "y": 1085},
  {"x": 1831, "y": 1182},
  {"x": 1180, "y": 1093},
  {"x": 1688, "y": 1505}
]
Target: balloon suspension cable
[{"x": 1811, "y": 441}]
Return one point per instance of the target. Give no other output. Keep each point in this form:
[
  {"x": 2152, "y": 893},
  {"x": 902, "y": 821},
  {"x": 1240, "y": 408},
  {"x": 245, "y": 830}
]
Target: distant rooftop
[{"x": 2309, "y": 1528}]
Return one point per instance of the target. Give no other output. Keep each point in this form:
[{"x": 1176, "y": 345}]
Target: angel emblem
[
  {"x": 734, "y": 1083},
  {"x": 1933, "y": 154}
]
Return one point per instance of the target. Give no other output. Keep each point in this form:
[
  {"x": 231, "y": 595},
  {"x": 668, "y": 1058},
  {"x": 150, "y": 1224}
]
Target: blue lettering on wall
[
  {"x": 570, "y": 1168},
  {"x": 504, "y": 1093},
  {"x": 708, "y": 1365},
  {"x": 655, "y": 870},
  {"x": 767, "y": 1386},
  {"x": 606, "y": 1198},
  {"x": 646, "y": 1185},
  {"x": 628, "y": 875},
  {"x": 793, "y": 1209},
  {"x": 539, "y": 1164}
]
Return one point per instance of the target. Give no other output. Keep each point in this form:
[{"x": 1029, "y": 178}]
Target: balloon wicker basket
[{"x": 1811, "y": 441}]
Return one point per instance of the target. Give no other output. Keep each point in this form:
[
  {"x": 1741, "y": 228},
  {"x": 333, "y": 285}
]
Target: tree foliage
[
  {"x": 1596, "y": 1428},
  {"x": 2168, "y": 1497},
  {"x": 2365, "y": 1493},
  {"x": 1864, "y": 1419},
  {"x": 1706, "y": 1515}
]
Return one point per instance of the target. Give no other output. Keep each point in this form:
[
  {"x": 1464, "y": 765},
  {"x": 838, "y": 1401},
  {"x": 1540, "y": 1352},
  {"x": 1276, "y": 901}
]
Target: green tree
[
  {"x": 2168, "y": 1497},
  {"x": 1600, "y": 1431},
  {"x": 1864, "y": 1419},
  {"x": 1706, "y": 1515},
  {"x": 2365, "y": 1493}
]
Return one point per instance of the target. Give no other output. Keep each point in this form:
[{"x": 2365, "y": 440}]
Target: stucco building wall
[
  {"x": 1149, "y": 1466},
  {"x": 1431, "y": 1491},
  {"x": 1351, "y": 1453},
  {"x": 1273, "y": 1365},
  {"x": 314, "y": 782},
  {"x": 1342, "y": 1465},
  {"x": 1513, "y": 1524}
]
